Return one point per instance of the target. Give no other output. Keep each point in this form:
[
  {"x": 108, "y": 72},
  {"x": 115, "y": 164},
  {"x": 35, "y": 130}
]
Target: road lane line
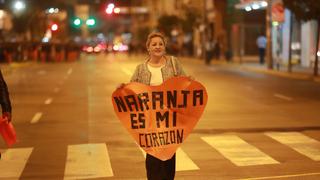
[
  {"x": 284, "y": 176},
  {"x": 13, "y": 162},
  {"x": 249, "y": 88},
  {"x": 56, "y": 89},
  {"x": 299, "y": 142},
  {"x": 126, "y": 71},
  {"x": 48, "y": 101},
  {"x": 70, "y": 71},
  {"x": 36, "y": 118},
  {"x": 282, "y": 97},
  {"x": 86, "y": 161},
  {"x": 183, "y": 161},
  {"x": 238, "y": 151}
]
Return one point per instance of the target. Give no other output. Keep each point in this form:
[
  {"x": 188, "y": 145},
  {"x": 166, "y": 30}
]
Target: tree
[
  {"x": 190, "y": 20},
  {"x": 305, "y": 10},
  {"x": 167, "y": 22}
]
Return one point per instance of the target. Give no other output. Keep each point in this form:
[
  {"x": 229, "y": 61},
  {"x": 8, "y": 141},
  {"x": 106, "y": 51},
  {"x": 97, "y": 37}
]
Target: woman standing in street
[{"x": 154, "y": 71}]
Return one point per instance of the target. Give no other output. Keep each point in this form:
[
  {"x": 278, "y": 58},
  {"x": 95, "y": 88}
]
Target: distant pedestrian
[
  {"x": 209, "y": 52},
  {"x": 261, "y": 43},
  {"x": 216, "y": 50}
]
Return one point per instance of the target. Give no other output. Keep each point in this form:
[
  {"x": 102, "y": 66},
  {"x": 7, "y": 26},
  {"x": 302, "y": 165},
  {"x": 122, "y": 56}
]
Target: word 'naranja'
[{"x": 155, "y": 99}]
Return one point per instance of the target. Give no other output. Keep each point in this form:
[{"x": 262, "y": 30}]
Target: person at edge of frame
[{"x": 4, "y": 100}]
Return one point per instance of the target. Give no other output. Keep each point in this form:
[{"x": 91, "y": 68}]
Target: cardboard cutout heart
[{"x": 160, "y": 118}]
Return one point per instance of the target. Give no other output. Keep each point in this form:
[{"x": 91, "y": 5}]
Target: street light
[{"x": 19, "y": 6}]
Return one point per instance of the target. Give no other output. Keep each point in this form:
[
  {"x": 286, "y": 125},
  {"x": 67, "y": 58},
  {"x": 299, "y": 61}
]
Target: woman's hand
[
  {"x": 191, "y": 78},
  {"x": 121, "y": 85},
  {"x": 6, "y": 116}
]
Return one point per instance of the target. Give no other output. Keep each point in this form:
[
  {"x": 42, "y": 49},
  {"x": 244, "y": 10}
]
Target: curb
[
  {"x": 7, "y": 68},
  {"x": 293, "y": 75}
]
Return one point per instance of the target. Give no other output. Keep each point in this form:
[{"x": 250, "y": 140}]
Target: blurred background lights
[
  {"x": 19, "y": 5},
  {"x": 116, "y": 10}
]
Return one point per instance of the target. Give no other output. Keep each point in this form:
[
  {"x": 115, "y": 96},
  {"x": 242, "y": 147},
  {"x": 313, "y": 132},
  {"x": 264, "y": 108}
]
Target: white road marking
[
  {"x": 126, "y": 71},
  {"x": 183, "y": 161},
  {"x": 13, "y": 162},
  {"x": 238, "y": 151},
  {"x": 86, "y": 161},
  {"x": 284, "y": 176},
  {"x": 283, "y": 97},
  {"x": 69, "y": 71},
  {"x": 299, "y": 142},
  {"x": 48, "y": 101},
  {"x": 36, "y": 118},
  {"x": 56, "y": 89}
]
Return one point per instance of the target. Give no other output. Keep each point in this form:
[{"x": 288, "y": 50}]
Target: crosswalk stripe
[
  {"x": 299, "y": 142},
  {"x": 238, "y": 151},
  {"x": 13, "y": 162},
  {"x": 183, "y": 161},
  {"x": 86, "y": 161}
]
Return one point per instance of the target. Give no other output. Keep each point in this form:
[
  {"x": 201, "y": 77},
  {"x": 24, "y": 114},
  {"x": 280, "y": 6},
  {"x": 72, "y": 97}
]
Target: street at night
[
  {"x": 255, "y": 125},
  {"x": 160, "y": 89}
]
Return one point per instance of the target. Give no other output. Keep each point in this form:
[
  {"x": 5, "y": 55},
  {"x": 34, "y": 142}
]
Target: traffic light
[
  {"x": 91, "y": 22},
  {"x": 112, "y": 9},
  {"x": 54, "y": 27},
  {"x": 77, "y": 22}
]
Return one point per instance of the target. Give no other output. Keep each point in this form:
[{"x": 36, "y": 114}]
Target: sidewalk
[{"x": 250, "y": 64}]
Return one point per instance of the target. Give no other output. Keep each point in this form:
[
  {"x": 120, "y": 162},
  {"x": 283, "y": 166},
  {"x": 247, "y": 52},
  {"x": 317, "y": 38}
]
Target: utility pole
[{"x": 268, "y": 34}]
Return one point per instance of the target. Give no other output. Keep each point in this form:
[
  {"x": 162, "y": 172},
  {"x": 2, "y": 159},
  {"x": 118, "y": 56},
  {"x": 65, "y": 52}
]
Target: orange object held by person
[{"x": 7, "y": 132}]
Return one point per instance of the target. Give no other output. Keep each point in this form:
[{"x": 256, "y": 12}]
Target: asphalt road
[{"x": 255, "y": 126}]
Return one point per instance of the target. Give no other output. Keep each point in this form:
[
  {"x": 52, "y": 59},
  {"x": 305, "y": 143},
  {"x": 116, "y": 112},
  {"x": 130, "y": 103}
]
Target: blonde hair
[{"x": 153, "y": 35}]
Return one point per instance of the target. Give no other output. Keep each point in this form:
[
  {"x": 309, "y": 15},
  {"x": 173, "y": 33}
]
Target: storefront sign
[{"x": 277, "y": 12}]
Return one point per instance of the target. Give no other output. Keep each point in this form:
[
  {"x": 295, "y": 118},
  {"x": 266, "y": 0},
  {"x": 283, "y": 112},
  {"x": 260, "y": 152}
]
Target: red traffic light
[
  {"x": 54, "y": 27},
  {"x": 109, "y": 9}
]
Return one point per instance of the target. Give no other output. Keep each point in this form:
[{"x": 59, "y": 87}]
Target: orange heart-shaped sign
[{"x": 160, "y": 118}]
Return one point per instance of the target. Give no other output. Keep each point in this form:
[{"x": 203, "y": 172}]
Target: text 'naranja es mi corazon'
[{"x": 162, "y": 103}]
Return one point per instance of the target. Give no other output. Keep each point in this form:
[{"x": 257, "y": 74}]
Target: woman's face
[{"x": 156, "y": 47}]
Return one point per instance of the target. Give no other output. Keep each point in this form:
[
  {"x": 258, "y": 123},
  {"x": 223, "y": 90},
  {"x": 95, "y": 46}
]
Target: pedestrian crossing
[
  {"x": 88, "y": 161},
  {"x": 13, "y": 162},
  {"x": 244, "y": 155}
]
